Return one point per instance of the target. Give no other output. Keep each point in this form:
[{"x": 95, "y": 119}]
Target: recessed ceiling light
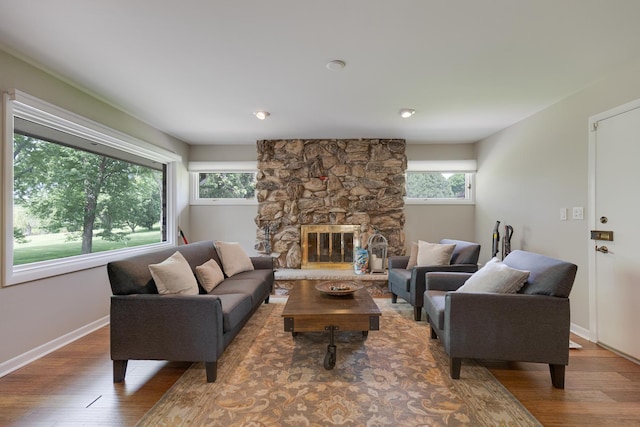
[
  {"x": 406, "y": 112},
  {"x": 262, "y": 114},
  {"x": 336, "y": 65}
]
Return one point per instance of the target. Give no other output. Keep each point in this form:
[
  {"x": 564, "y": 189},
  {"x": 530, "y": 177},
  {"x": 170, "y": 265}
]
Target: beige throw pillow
[
  {"x": 174, "y": 276},
  {"x": 413, "y": 256},
  {"x": 209, "y": 274},
  {"x": 234, "y": 259},
  {"x": 434, "y": 253},
  {"x": 495, "y": 277}
]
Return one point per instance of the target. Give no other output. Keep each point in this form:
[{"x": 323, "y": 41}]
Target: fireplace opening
[{"x": 329, "y": 246}]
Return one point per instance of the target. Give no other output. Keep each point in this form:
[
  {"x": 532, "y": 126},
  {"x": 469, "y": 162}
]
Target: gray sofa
[
  {"x": 529, "y": 326},
  {"x": 149, "y": 326}
]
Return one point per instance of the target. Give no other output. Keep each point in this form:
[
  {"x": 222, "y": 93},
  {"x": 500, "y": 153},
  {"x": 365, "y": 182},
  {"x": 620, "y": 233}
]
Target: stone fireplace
[{"x": 351, "y": 182}]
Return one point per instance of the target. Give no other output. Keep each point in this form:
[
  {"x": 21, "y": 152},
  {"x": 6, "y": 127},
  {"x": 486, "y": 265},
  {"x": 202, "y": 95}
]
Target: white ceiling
[{"x": 198, "y": 69}]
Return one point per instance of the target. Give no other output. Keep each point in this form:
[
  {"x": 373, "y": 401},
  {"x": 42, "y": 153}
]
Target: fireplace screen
[{"x": 329, "y": 246}]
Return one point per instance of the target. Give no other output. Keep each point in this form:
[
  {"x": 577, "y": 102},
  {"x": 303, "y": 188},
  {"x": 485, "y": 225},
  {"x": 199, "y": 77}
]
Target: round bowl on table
[{"x": 339, "y": 288}]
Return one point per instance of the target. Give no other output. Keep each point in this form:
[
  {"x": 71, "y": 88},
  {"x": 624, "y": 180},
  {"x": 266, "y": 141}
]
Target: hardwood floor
[
  {"x": 73, "y": 386},
  {"x": 601, "y": 388}
]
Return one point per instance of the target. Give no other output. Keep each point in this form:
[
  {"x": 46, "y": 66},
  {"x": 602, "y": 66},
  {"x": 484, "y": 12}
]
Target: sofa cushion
[
  {"x": 235, "y": 309},
  {"x": 255, "y": 284},
  {"x": 434, "y": 253},
  {"x": 209, "y": 274},
  {"x": 495, "y": 277},
  {"x": 549, "y": 276},
  {"x": 413, "y": 256},
  {"x": 434, "y": 304},
  {"x": 132, "y": 275},
  {"x": 234, "y": 259},
  {"x": 174, "y": 276},
  {"x": 465, "y": 252}
]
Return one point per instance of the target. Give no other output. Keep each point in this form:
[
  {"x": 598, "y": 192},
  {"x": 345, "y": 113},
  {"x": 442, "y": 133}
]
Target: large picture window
[{"x": 78, "y": 193}]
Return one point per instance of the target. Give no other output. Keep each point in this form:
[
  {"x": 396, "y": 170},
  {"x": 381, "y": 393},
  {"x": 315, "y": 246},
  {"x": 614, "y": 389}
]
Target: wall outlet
[
  {"x": 563, "y": 214},
  {"x": 578, "y": 213}
]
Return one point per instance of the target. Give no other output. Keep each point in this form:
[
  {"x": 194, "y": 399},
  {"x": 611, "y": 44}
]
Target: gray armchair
[
  {"x": 409, "y": 283},
  {"x": 529, "y": 326}
]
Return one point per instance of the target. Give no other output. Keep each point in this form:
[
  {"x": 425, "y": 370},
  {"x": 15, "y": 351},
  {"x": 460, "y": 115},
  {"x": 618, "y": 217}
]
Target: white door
[{"x": 617, "y": 209}]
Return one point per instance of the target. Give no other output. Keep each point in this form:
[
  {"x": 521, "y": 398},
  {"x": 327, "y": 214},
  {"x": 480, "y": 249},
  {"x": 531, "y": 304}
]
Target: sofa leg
[
  {"x": 557, "y": 375},
  {"x": 433, "y": 333},
  {"x": 455, "y": 363},
  {"x": 394, "y": 298},
  {"x": 212, "y": 371},
  {"x": 417, "y": 313},
  {"x": 119, "y": 370},
  {"x": 266, "y": 300}
]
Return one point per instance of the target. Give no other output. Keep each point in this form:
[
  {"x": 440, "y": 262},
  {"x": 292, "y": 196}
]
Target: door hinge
[{"x": 594, "y": 127}]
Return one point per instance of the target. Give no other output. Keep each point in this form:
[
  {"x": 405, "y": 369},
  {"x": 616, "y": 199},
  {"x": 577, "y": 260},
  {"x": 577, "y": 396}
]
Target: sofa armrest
[
  {"x": 418, "y": 274},
  {"x": 529, "y": 328},
  {"x": 262, "y": 262},
  {"x": 445, "y": 281},
  {"x": 397, "y": 262},
  {"x": 166, "y": 327}
]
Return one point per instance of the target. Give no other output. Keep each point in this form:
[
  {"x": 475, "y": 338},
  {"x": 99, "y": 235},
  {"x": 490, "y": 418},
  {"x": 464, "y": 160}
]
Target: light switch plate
[
  {"x": 563, "y": 214},
  {"x": 578, "y": 213}
]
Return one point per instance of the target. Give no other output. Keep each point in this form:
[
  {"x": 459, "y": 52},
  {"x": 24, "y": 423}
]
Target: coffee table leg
[{"x": 330, "y": 357}]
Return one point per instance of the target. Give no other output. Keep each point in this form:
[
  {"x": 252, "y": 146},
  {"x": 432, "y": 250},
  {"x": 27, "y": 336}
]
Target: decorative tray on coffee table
[{"x": 339, "y": 288}]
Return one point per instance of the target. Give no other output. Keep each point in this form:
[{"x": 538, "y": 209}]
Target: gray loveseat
[{"x": 191, "y": 328}]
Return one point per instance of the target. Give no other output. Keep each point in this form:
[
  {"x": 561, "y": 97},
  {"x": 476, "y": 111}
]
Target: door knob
[{"x": 603, "y": 249}]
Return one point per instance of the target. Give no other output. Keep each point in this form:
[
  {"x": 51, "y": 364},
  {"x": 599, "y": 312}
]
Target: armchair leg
[
  {"x": 417, "y": 313},
  {"x": 394, "y": 298},
  {"x": 266, "y": 300},
  {"x": 557, "y": 375},
  {"x": 433, "y": 333},
  {"x": 212, "y": 371},
  {"x": 455, "y": 363},
  {"x": 119, "y": 370}
]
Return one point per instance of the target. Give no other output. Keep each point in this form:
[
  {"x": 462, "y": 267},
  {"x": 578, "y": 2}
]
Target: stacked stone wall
[{"x": 338, "y": 181}]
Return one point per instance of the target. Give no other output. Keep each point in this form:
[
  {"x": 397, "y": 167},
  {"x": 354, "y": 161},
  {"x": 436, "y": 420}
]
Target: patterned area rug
[{"x": 397, "y": 376}]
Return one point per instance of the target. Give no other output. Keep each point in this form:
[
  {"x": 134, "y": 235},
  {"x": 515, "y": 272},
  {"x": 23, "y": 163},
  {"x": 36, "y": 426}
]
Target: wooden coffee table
[{"x": 309, "y": 310}]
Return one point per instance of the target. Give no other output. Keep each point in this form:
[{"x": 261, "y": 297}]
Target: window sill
[
  {"x": 438, "y": 202},
  {"x": 45, "y": 269},
  {"x": 224, "y": 202}
]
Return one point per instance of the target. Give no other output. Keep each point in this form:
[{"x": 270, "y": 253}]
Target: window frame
[
  {"x": 20, "y": 104},
  {"x": 468, "y": 167},
  {"x": 196, "y": 168}
]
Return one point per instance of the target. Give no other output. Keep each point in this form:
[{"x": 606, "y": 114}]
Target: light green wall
[
  {"x": 35, "y": 313},
  {"x": 527, "y": 172}
]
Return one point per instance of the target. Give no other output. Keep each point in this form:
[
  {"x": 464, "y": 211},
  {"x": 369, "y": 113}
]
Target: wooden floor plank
[{"x": 73, "y": 386}]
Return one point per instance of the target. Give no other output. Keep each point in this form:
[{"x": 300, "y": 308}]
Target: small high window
[
  {"x": 222, "y": 183},
  {"x": 440, "y": 182}
]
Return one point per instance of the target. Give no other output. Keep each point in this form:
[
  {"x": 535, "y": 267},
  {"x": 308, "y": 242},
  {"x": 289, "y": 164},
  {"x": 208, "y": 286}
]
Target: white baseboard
[
  {"x": 40, "y": 351},
  {"x": 580, "y": 331}
]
